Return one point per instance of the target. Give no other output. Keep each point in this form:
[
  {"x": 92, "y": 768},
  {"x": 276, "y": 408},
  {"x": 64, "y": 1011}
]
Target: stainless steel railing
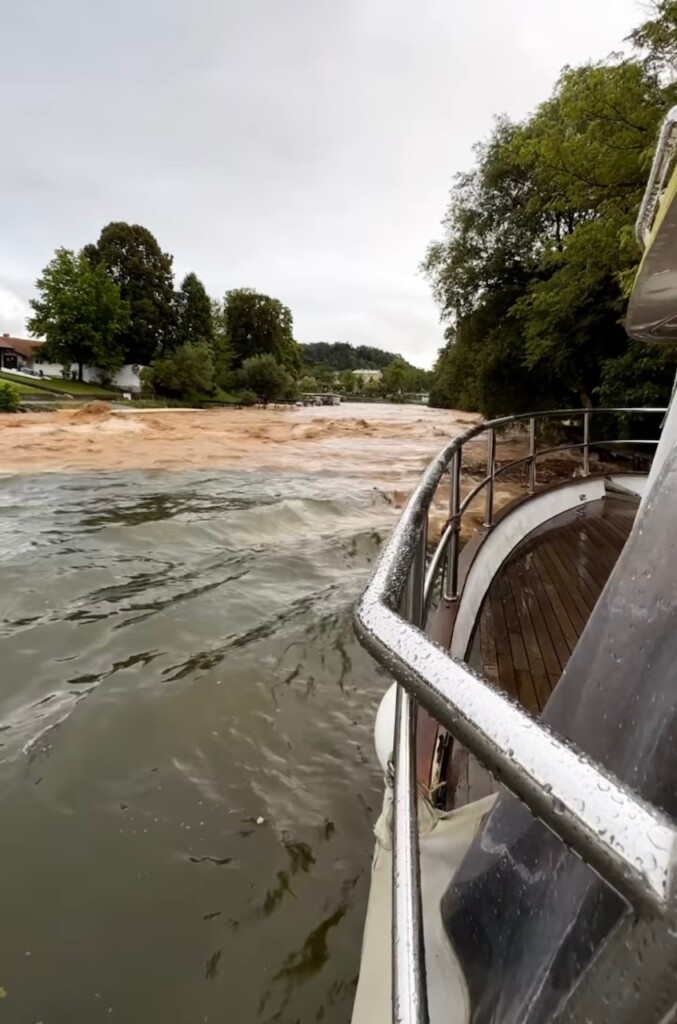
[
  {"x": 450, "y": 539},
  {"x": 629, "y": 843}
]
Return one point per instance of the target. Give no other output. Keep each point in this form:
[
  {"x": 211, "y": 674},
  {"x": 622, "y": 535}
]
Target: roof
[{"x": 23, "y": 346}]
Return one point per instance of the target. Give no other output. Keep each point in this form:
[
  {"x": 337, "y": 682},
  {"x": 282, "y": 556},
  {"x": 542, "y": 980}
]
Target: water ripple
[{"x": 182, "y": 688}]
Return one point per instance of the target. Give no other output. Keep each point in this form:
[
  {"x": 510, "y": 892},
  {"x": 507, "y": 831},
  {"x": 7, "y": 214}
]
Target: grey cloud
[{"x": 303, "y": 147}]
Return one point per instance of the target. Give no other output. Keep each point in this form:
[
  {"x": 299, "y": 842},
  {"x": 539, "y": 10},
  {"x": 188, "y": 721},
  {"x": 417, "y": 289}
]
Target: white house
[
  {"x": 22, "y": 354},
  {"x": 127, "y": 379}
]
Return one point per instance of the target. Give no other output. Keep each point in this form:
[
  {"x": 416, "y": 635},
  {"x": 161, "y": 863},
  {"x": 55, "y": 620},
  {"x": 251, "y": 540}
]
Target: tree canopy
[
  {"x": 80, "y": 312},
  {"x": 186, "y": 373},
  {"x": 115, "y": 303},
  {"x": 193, "y": 312},
  {"x": 341, "y": 355},
  {"x": 143, "y": 272},
  {"x": 538, "y": 253},
  {"x": 256, "y": 325},
  {"x": 264, "y": 375}
]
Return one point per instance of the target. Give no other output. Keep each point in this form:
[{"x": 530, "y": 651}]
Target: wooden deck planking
[
  {"x": 541, "y": 599},
  {"x": 535, "y": 611},
  {"x": 558, "y": 626}
]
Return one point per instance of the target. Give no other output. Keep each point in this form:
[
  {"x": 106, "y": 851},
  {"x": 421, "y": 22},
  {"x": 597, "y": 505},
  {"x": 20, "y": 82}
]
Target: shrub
[
  {"x": 266, "y": 378},
  {"x": 186, "y": 373},
  {"x": 10, "y": 397},
  {"x": 247, "y": 398}
]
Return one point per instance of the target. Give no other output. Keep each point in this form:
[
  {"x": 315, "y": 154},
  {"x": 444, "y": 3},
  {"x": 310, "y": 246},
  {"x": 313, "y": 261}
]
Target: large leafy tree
[
  {"x": 256, "y": 325},
  {"x": 143, "y": 272},
  {"x": 656, "y": 39},
  {"x": 193, "y": 310},
  {"x": 398, "y": 377},
  {"x": 538, "y": 253},
  {"x": 222, "y": 349},
  {"x": 348, "y": 381},
  {"x": 80, "y": 311}
]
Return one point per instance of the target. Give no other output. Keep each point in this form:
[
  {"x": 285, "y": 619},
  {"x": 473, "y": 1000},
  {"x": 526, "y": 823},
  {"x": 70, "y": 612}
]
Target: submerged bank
[{"x": 96, "y": 437}]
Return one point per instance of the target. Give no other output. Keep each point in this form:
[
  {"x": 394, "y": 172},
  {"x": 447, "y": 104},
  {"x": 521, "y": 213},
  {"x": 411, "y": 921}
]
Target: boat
[{"x": 525, "y": 860}]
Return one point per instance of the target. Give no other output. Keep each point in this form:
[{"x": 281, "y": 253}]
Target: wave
[{"x": 305, "y": 518}]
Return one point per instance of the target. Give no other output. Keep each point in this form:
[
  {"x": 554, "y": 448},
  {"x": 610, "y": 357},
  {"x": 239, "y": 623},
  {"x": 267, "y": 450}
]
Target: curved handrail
[
  {"x": 545, "y": 771},
  {"x": 665, "y": 151},
  {"x": 454, "y": 451}
]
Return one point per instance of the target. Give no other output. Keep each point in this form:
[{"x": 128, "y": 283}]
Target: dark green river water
[{"x": 187, "y": 777}]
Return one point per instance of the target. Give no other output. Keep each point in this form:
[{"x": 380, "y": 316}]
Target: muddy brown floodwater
[
  {"x": 97, "y": 437},
  {"x": 187, "y": 778},
  {"x": 388, "y": 445}
]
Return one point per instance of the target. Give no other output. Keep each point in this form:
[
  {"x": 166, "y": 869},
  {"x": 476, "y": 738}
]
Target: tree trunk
[{"x": 80, "y": 369}]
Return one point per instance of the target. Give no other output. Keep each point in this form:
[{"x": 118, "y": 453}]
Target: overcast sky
[{"x": 301, "y": 147}]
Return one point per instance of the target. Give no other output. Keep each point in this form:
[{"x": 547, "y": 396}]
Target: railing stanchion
[
  {"x": 414, "y": 595},
  {"x": 586, "y": 443},
  {"x": 410, "y": 996},
  {"x": 491, "y": 467},
  {"x": 454, "y": 503},
  {"x": 532, "y": 455}
]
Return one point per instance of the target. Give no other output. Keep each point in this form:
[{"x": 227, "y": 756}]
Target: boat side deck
[{"x": 535, "y": 611}]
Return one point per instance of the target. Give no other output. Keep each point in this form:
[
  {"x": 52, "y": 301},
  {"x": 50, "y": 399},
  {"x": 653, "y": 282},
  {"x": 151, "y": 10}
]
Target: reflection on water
[{"x": 187, "y": 785}]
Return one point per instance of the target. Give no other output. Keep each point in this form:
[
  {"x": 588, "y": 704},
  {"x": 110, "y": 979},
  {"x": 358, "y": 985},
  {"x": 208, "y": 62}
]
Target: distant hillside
[{"x": 340, "y": 355}]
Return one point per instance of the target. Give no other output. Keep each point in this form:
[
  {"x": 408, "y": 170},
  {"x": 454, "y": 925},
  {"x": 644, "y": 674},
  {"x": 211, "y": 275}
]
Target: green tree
[
  {"x": 143, "y": 272},
  {"x": 397, "y": 377},
  {"x": 308, "y": 385},
  {"x": 263, "y": 375},
  {"x": 186, "y": 373},
  {"x": 373, "y": 389},
  {"x": 223, "y": 351},
  {"x": 193, "y": 311},
  {"x": 257, "y": 324},
  {"x": 340, "y": 355},
  {"x": 10, "y": 397},
  {"x": 325, "y": 377},
  {"x": 656, "y": 39},
  {"x": 348, "y": 380},
  {"x": 422, "y": 380},
  {"x": 80, "y": 312},
  {"x": 538, "y": 249}
]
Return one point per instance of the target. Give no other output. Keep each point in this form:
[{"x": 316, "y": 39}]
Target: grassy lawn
[
  {"x": 23, "y": 388},
  {"x": 20, "y": 382},
  {"x": 56, "y": 384}
]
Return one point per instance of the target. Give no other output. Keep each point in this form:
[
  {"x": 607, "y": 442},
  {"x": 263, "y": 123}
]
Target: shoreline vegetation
[
  {"x": 538, "y": 253},
  {"x": 114, "y": 304},
  {"x": 531, "y": 277}
]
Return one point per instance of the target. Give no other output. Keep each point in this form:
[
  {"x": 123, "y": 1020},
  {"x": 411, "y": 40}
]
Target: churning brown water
[{"x": 187, "y": 783}]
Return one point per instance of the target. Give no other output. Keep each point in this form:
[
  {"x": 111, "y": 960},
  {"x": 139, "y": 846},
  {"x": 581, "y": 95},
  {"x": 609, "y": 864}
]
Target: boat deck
[{"x": 535, "y": 611}]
